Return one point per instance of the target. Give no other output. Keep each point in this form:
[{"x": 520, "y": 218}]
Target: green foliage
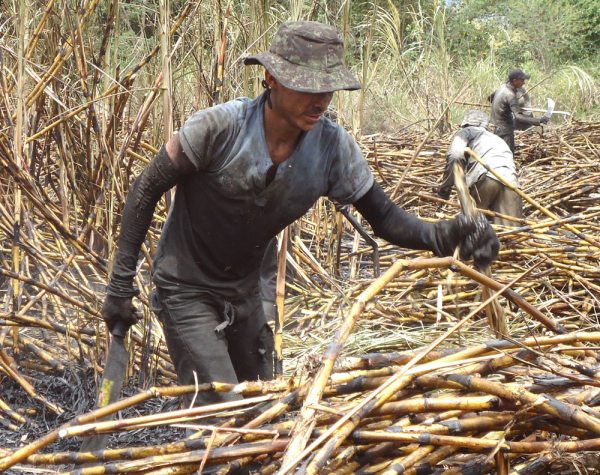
[
  {"x": 590, "y": 24},
  {"x": 517, "y": 31}
]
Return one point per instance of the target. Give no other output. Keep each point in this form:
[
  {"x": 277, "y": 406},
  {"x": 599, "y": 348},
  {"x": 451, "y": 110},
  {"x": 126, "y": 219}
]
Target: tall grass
[
  {"x": 413, "y": 75},
  {"x": 578, "y": 90}
]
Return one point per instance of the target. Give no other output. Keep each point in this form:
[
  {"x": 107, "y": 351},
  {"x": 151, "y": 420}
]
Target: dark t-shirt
[{"x": 224, "y": 215}]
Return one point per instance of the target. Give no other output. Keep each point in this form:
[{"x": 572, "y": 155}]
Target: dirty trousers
[
  {"x": 508, "y": 135},
  {"x": 220, "y": 341},
  {"x": 493, "y": 195}
]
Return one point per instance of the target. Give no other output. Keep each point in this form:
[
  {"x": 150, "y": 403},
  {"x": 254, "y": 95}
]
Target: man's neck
[
  {"x": 280, "y": 135},
  {"x": 278, "y": 128}
]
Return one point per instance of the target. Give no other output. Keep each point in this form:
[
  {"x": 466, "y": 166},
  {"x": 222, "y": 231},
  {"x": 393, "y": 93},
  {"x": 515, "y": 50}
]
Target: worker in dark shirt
[
  {"x": 507, "y": 111},
  {"x": 245, "y": 170}
]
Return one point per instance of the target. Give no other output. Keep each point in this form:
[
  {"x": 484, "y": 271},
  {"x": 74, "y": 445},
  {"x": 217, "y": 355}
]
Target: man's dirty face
[
  {"x": 517, "y": 83},
  {"x": 302, "y": 110}
]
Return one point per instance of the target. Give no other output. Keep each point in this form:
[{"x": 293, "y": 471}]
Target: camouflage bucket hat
[
  {"x": 475, "y": 118},
  {"x": 307, "y": 56}
]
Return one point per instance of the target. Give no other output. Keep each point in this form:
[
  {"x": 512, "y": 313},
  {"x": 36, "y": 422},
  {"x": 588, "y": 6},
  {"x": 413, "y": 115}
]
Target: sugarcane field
[{"x": 299, "y": 237}]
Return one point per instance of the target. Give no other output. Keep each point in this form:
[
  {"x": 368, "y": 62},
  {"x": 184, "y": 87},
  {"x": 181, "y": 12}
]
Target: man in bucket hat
[
  {"x": 507, "y": 108},
  {"x": 244, "y": 170}
]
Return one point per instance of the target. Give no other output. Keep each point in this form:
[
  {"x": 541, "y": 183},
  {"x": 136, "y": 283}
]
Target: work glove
[
  {"x": 474, "y": 237},
  {"x": 444, "y": 193},
  {"x": 544, "y": 120},
  {"x": 119, "y": 309}
]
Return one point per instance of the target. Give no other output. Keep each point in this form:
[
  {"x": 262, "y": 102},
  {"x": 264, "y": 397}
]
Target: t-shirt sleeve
[
  {"x": 208, "y": 132},
  {"x": 349, "y": 176}
]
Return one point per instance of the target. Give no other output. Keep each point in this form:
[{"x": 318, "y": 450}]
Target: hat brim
[
  {"x": 303, "y": 79},
  {"x": 520, "y": 76}
]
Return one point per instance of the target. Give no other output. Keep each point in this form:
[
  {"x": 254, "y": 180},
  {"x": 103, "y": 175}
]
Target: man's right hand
[
  {"x": 474, "y": 236},
  {"x": 119, "y": 309},
  {"x": 544, "y": 120}
]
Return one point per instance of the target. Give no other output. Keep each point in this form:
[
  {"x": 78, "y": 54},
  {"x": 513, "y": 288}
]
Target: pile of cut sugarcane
[
  {"x": 383, "y": 373},
  {"x": 553, "y": 253},
  {"x": 523, "y": 404}
]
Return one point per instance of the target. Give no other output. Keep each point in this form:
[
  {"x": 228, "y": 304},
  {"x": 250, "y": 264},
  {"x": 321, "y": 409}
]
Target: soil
[{"x": 74, "y": 390}]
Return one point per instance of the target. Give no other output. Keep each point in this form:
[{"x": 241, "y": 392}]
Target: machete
[
  {"x": 548, "y": 111},
  {"x": 112, "y": 382}
]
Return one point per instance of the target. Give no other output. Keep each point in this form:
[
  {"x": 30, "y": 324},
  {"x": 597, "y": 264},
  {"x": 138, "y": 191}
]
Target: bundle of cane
[{"x": 495, "y": 313}]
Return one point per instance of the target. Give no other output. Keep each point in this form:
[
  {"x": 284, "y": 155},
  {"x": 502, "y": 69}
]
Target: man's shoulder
[
  {"x": 329, "y": 142},
  {"x": 219, "y": 119},
  {"x": 503, "y": 88},
  {"x": 230, "y": 110},
  {"x": 329, "y": 128},
  {"x": 468, "y": 134},
  {"x": 478, "y": 131},
  {"x": 211, "y": 131},
  {"x": 503, "y": 95},
  {"x": 486, "y": 139}
]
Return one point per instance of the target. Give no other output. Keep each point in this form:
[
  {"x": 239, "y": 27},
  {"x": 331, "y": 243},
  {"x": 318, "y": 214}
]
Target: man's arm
[
  {"x": 403, "y": 229},
  {"x": 524, "y": 101},
  {"x": 159, "y": 176},
  {"x": 456, "y": 153},
  {"x": 521, "y": 117}
]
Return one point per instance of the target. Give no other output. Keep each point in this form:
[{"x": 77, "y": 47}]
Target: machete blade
[
  {"x": 550, "y": 108},
  {"x": 111, "y": 385}
]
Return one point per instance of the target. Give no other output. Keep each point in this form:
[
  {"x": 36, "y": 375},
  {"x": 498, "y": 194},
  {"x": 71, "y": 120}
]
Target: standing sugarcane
[
  {"x": 220, "y": 76},
  {"x": 279, "y": 302}
]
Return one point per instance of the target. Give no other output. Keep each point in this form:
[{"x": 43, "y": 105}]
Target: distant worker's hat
[
  {"x": 475, "y": 118},
  {"x": 307, "y": 56},
  {"x": 518, "y": 74}
]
